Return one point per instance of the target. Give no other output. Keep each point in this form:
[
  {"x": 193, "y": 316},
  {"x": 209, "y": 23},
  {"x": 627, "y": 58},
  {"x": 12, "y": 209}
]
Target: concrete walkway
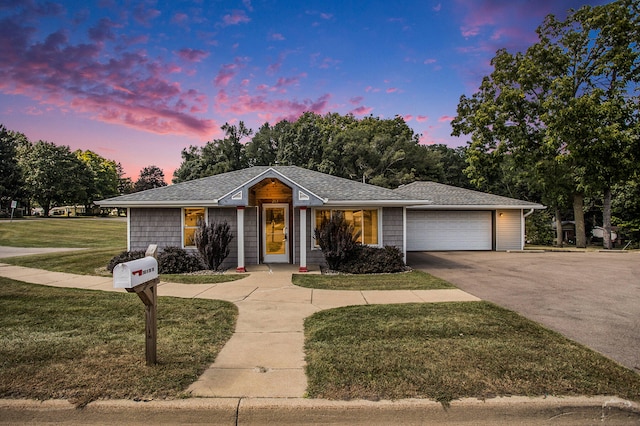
[{"x": 265, "y": 356}]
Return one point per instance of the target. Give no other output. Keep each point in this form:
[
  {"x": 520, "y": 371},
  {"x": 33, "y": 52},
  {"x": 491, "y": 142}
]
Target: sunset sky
[{"x": 138, "y": 81}]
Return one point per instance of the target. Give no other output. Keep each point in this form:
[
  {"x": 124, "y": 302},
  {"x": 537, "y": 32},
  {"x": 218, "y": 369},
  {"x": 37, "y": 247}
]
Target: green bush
[
  {"x": 337, "y": 240},
  {"x": 172, "y": 260},
  {"x": 213, "y": 242},
  {"x": 176, "y": 260},
  {"x": 538, "y": 228},
  {"x": 125, "y": 256},
  {"x": 374, "y": 260}
]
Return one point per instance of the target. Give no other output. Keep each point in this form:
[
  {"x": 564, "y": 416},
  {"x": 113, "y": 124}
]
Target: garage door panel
[{"x": 448, "y": 230}]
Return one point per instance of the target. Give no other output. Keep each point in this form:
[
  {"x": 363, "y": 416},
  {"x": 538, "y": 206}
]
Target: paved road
[{"x": 593, "y": 297}]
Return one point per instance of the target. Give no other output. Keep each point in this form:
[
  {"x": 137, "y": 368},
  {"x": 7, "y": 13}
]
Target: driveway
[{"x": 592, "y": 298}]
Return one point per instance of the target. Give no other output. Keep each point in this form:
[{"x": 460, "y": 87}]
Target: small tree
[
  {"x": 213, "y": 242},
  {"x": 336, "y": 240}
]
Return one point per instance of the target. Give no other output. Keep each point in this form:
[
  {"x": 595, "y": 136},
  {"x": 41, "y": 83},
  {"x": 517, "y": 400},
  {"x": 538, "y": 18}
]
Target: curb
[{"x": 255, "y": 411}]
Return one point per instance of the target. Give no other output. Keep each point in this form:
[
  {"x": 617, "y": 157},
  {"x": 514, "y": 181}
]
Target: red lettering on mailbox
[{"x": 139, "y": 272}]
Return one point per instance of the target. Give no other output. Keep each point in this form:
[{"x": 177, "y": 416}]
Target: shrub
[
  {"x": 374, "y": 260},
  {"x": 336, "y": 239},
  {"x": 538, "y": 228},
  {"x": 125, "y": 256},
  {"x": 176, "y": 260},
  {"x": 213, "y": 242}
]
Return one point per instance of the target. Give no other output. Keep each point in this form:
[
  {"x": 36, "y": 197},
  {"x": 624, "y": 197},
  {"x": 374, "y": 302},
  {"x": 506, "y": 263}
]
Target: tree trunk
[
  {"x": 578, "y": 214},
  {"x": 606, "y": 220},
  {"x": 558, "y": 228}
]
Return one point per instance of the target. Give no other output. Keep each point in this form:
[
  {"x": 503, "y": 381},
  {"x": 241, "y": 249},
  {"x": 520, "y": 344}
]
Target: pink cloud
[
  {"x": 361, "y": 110},
  {"x": 326, "y": 16},
  {"x": 192, "y": 55},
  {"x": 281, "y": 109},
  {"x": 430, "y": 61},
  {"x": 356, "y": 100},
  {"x": 407, "y": 117},
  {"x": 392, "y": 90},
  {"x": 127, "y": 87},
  {"x": 235, "y": 18},
  {"x": 422, "y": 118},
  {"x": 437, "y": 8},
  {"x": 325, "y": 63},
  {"x": 445, "y": 118},
  {"x": 227, "y": 73},
  {"x": 103, "y": 31},
  {"x": 180, "y": 18},
  {"x": 276, "y": 37},
  {"x": 144, "y": 15}
]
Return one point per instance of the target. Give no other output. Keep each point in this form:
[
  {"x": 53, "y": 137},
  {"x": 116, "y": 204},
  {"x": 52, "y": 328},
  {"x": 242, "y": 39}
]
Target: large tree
[
  {"x": 53, "y": 175},
  {"x": 565, "y": 110},
  {"x": 103, "y": 176},
  {"x": 384, "y": 152},
  {"x": 150, "y": 177},
  {"x": 217, "y": 156},
  {"x": 11, "y": 180}
]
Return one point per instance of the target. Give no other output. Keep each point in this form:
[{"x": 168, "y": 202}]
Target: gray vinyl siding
[
  {"x": 314, "y": 255},
  {"x": 251, "y": 246},
  {"x": 229, "y": 215},
  {"x": 155, "y": 226},
  {"x": 509, "y": 230},
  {"x": 392, "y": 227}
]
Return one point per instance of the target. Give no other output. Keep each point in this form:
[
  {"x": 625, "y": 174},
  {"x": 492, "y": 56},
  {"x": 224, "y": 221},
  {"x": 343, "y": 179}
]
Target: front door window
[{"x": 275, "y": 225}]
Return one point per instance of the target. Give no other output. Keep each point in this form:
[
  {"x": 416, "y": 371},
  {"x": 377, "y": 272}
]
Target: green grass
[
  {"x": 84, "y": 262},
  {"x": 414, "y": 280},
  {"x": 65, "y": 232},
  {"x": 84, "y": 345},
  {"x": 446, "y": 351},
  {"x": 102, "y": 238}
]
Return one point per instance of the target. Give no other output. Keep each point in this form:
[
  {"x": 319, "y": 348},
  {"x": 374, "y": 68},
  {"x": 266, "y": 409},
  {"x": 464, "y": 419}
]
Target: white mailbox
[{"x": 136, "y": 272}]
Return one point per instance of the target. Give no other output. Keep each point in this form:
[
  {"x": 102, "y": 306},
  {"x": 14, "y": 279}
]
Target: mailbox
[{"x": 136, "y": 272}]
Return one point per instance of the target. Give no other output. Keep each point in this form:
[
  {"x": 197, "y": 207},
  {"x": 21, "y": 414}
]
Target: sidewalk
[
  {"x": 265, "y": 356},
  {"x": 258, "y": 377}
]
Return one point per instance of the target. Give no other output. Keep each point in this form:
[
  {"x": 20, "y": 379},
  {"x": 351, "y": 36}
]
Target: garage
[{"x": 449, "y": 230}]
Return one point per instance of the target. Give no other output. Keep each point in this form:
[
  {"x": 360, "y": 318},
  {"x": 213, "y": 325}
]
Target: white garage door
[{"x": 448, "y": 230}]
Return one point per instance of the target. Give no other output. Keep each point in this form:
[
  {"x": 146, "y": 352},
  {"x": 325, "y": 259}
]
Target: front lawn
[
  {"x": 445, "y": 351},
  {"x": 65, "y": 232},
  {"x": 414, "y": 280},
  {"x": 84, "y": 345}
]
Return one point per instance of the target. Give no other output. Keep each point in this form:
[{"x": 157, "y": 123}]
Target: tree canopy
[
  {"x": 564, "y": 114},
  {"x": 384, "y": 152}
]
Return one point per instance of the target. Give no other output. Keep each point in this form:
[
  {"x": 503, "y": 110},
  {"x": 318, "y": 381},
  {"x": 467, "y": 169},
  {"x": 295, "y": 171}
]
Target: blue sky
[{"x": 138, "y": 81}]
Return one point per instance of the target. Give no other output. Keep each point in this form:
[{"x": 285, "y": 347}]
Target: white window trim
[
  {"x": 314, "y": 225},
  {"x": 182, "y": 228}
]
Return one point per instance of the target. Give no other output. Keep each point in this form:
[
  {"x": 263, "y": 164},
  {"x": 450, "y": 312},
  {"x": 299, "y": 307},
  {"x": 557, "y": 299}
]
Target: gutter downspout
[{"x": 524, "y": 216}]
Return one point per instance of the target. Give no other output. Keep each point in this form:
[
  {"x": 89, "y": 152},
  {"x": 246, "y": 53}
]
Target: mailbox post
[{"x": 141, "y": 277}]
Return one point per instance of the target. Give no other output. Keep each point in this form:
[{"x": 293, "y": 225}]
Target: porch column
[
  {"x": 303, "y": 239},
  {"x": 240, "y": 214}
]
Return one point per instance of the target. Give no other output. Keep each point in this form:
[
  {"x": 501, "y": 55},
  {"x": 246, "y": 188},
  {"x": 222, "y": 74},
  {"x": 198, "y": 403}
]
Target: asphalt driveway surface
[{"x": 592, "y": 298}]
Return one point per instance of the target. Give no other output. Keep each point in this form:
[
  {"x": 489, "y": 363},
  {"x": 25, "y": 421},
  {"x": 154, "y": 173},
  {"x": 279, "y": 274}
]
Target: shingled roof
[
  {"x": 329, "y": 189},
  {"x": 207, "y": 191},
  {"x": 441, "y": 195}
]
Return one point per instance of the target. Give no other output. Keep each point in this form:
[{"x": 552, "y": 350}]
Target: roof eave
[
  {"x": 372, "y": 203},
  {"x": 476, "y": 207},
  {"x": 159, "y": 204}
]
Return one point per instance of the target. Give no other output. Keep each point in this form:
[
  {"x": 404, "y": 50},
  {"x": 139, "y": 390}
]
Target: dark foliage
[
  {"x": 336, "y": 239},
  {"x": 176, "y": 260},
  {"x": 172, "y": 260},
  {"x": 374, "y": 260},
  {"x": 125, "y": 256},
  {"x": 213, "y": 243}
]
